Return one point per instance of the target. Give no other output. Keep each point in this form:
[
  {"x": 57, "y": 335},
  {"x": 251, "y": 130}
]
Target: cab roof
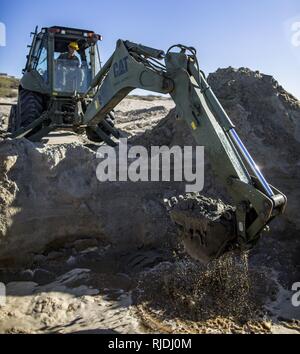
[{"x": 70, "y": 29}]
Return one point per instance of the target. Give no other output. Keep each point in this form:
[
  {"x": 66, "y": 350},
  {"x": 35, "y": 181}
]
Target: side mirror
[{"x": 94, "y": 38}]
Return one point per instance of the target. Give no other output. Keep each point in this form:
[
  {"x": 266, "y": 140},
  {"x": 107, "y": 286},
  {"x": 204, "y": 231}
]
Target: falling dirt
[{"x": 186, "y": 297}]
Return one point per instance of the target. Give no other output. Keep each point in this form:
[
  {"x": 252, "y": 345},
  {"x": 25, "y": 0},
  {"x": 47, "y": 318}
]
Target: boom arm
[{"x": 136, "y": 66}]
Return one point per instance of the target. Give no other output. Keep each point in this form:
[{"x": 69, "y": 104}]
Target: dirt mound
[
  {"x": 50, "y": 194},
  {"x": 270, "y": 110}
]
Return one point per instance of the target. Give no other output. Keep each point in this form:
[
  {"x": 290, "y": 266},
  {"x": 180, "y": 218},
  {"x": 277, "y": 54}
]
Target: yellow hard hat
[{"x": 74, "y": 45}]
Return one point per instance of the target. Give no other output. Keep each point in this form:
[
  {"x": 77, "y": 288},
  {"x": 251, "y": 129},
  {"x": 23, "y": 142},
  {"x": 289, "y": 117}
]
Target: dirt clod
[{"x": 206, "y": 226}]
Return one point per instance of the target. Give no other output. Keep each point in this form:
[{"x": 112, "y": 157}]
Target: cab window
[
  {"x": 72, "y": 73},
  {"x": 42, "y": 63}
]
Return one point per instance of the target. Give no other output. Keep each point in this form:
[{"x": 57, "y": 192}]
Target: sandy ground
[
  {"x": 4, "y": 111},
  {"x": 98, "y": 290},
  {"x": 135, "y": 116},
  {"x": 89, "y": 286}
]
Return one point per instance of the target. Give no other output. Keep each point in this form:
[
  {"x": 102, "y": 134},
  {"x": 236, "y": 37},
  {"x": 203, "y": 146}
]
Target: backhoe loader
[{"x": 53, "y": 96}]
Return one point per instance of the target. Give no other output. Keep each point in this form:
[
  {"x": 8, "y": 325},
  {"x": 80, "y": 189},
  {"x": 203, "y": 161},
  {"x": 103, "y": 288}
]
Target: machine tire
[
  {"x": 13, "y": 119},
  {"x": 92, "y": 136},
  {"x": 31, "y": 106}
]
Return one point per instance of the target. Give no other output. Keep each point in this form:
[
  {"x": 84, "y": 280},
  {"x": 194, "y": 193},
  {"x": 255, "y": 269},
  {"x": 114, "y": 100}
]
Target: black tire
[
  {"x": 13, "y": 119},
  {"x": 92, "y": 136},
  {"x": 31, "y": 106}
]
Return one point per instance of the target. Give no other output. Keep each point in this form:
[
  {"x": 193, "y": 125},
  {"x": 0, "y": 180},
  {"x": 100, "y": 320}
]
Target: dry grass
[{"x": 8, "y": 86}]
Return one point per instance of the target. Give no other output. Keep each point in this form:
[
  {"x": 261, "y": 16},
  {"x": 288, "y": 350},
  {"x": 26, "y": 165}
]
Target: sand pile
[{"x": 50, "y": 194}]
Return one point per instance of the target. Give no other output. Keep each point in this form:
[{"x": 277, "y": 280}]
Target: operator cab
[{"x": 50, "y": 59}]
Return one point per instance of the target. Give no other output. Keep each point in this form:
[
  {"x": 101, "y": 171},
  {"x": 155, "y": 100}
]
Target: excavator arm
[{"x": 135, "y": 66}]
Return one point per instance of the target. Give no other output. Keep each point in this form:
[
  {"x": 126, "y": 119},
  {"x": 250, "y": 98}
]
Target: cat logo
[{"x": 120, "y": 67}]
